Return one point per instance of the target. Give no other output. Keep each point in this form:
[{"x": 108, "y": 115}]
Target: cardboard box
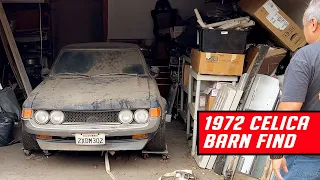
[
  {"x": 217, "y": 63},
  {"x": 209, "y": 102},
  {"x": 186, "y": 75},
  {"x": 269, "y": 15},
  {"x": 202, "y": 101},
  {"x": 271, "y": 61}
]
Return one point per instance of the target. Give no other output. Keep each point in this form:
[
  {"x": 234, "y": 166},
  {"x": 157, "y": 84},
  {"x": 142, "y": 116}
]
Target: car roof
[{"x": 102, "y": 45}]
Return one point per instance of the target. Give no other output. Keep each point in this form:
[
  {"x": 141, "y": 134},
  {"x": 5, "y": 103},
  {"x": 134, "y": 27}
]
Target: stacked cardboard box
[
  {"x": 219, "y": 64},
  {"x": 282, "y": 29},
  {"x": 280, "y": 26}
]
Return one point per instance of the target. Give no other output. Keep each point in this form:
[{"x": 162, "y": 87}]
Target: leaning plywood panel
[
  {"x": 263, "y": 94},
  {"x": 14, "y": 50}
]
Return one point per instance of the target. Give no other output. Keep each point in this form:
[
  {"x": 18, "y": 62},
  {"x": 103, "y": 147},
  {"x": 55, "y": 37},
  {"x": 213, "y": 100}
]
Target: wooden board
[
  {"x": 252, "y": 72},
  {"x": 9, "y": 56},
  {"x": 15, "y": 51},
  {"x": 211, "y": 162}
]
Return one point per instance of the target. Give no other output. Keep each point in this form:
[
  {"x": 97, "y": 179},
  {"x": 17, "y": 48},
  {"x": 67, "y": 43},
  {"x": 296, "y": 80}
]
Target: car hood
[{"x": 100, "y": 93}]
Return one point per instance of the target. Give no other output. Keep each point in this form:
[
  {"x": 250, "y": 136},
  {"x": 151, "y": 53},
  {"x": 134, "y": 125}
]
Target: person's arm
[
  {"x": 287, "y": 106},
  {"x": 294, "y": 91}
]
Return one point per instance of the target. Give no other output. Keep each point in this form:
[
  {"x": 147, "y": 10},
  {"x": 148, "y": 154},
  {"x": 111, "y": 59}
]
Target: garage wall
[
  {"x": 296, "y": 9},
  {"x": 76, "y": 21},
  {"x": 131, "y": 19}
]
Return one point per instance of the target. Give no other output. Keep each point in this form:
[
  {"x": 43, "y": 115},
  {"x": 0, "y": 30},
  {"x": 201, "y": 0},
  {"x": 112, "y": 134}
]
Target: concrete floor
[{"x": 14, "y": 165}]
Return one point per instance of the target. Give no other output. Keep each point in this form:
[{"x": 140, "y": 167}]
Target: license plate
[{"x": 90, "y": 139}]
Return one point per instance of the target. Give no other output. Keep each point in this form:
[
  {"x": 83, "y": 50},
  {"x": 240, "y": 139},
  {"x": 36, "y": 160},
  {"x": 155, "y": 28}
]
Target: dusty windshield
[{"x": 99, "y": 62}]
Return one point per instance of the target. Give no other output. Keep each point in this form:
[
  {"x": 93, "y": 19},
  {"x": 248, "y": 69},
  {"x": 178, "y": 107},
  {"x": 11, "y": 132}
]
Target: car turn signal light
[
  {"x": 140, "y": 136},
  {"x": 155, "y": 112},
  {"x": 27, "y": 113}
]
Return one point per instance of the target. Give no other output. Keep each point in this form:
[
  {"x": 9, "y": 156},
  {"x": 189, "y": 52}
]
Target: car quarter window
[{"x": 95, "y": 62}]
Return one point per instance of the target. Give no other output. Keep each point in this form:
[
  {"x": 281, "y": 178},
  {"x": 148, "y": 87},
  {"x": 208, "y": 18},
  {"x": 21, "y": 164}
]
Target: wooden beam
[
  {"x": 15, "y": 51},
  {"x": 9, "y": 56},
  {"x": 252, "y": 72},
  {"x": 267, "y": 172}
]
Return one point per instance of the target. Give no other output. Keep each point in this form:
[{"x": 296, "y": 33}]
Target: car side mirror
[
  {"x": 155, "y": 71},
  {"x": 45, "y": 72}
]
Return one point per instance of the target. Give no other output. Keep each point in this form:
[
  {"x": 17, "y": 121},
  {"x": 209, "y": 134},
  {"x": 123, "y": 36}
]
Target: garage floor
[{"x": 14, "y": 165}]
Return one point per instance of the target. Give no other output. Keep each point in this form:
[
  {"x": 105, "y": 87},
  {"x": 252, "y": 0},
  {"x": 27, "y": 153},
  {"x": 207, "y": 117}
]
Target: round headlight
[
  {"x": 125, "y": 116},
  {"x": 141, "y": 116},
  {"x": 41, "y": 117},
  {"x": 56, "y": 117}
]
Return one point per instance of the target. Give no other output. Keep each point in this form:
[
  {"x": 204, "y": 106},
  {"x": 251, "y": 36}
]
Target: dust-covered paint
[
  {"x": 117, "y": 91},
  {"x": 99, "y": 93}
]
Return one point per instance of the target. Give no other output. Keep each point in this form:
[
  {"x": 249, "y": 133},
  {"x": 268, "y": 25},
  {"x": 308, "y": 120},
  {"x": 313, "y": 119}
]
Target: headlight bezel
[
  {"x": 139, "y": 111},
  {"x": 121, "y": 113},
  {"x": 51, "y": 118},
  {"x": 37, "y": 119}
]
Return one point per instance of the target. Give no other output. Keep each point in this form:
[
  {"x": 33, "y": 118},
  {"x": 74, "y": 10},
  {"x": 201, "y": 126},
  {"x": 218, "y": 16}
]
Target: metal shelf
[
  {"x": 187, "y": 59},
  {"x": 192, "y": 109},
  {"x": 185, "y": 89},
  {"x": 193, "y": 106},
  {"x": 201, "y": 77}
]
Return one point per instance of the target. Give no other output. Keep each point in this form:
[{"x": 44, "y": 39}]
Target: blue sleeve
[{"x": 296, "y": 79}]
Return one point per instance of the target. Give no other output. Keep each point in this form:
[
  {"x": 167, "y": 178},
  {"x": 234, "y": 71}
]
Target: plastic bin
[{"x": 222, "y": 41}]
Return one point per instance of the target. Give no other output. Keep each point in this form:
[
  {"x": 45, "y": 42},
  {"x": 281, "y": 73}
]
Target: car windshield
[{"x": 99, "y": 62}]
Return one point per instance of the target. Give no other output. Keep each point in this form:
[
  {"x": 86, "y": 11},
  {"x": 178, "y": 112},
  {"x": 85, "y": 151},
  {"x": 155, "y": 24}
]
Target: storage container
[
  {"x": 222, "y": 41},
  {"x": 217, "y": 63}
]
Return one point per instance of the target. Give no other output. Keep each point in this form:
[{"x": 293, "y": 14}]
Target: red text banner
[{"x": 257, "y": 133}]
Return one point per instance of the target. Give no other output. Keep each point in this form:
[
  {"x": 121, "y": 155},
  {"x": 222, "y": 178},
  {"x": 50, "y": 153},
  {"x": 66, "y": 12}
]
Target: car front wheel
[
  {"x": 29, "y": 143},
  {"x": 158, "y": 142}
]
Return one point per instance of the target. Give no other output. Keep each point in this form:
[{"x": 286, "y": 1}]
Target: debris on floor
[{"x": 178, "y": 175}]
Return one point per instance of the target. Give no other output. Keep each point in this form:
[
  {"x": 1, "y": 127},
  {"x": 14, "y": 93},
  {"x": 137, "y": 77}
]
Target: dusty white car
[{"x": 97, "y": 97}]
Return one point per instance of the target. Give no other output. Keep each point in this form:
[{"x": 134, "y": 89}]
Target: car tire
[
  {"x": 29, "y": 143},
  {"x": 158, "y": 142}
]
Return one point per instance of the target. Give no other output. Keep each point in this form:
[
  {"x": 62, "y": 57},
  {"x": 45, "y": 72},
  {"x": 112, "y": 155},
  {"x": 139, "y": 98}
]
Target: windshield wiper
[
  {"x": 115, "y": 74},
  {"x": 73, "y": 74}
]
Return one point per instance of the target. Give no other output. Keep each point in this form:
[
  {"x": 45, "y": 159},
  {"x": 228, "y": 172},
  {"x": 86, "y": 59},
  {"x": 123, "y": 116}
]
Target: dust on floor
[{"x": 14, "y": 165}]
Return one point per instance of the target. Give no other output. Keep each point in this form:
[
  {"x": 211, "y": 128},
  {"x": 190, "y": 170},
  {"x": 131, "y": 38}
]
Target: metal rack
[
  {"x": 183, "y": 89},
  {"x": 193, "y": 107}
]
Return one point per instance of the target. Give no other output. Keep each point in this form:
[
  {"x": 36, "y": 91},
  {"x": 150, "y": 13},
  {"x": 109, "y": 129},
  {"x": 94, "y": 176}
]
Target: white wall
[
  {"x": 131, "y": 19},
  {"x": 293, "y": 8}
]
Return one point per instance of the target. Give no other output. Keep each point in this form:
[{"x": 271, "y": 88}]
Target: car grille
[{"x": 91, "y": 117}]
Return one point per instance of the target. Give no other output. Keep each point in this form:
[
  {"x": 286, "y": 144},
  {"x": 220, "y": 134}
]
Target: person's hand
[{"x": 277, "y": 164}]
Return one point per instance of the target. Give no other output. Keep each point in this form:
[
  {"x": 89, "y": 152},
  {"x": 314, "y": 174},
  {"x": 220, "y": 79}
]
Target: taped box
[
  {"x": 209, "y": 102},
  {"x": 271, "y": 17},
  {"x": 217, "y": 63},
  {"x": 186, "y": 75}
]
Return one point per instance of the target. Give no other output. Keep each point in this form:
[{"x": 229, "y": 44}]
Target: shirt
[{"x": 302, "y": 78}]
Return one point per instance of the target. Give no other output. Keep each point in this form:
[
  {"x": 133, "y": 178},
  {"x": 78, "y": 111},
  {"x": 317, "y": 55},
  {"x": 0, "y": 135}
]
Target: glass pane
[{"x": 95, "y": 62}]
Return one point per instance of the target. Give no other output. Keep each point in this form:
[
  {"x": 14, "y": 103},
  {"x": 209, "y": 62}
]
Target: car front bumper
[
  {"x": 109, "y": 130},
  {"x": 69, "y": 131},
  {"x": 110, "y": 145}
]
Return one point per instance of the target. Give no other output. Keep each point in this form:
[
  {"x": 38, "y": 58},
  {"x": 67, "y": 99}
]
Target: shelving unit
[
  {"x": 193, "y": 107},
  {"x": 184, "y": 90}
]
